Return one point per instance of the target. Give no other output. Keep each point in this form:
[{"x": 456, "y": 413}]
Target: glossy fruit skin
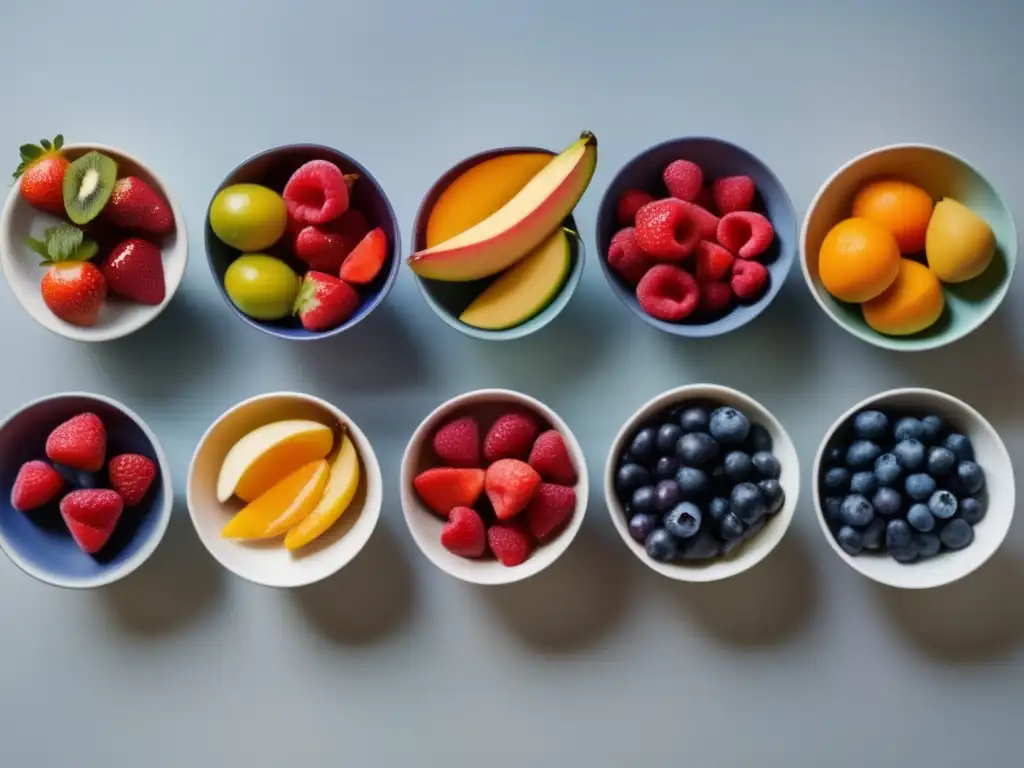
[
  {"x": 74, "y": 291},
  {"x": 902, "y": 208},
  {"x": 248, "y": 217},
  {"x": 135, "y": 270},
  {"x": 262, "y": 287},
  {"x": 136, "y": 207},
  {"x": 42, "y": 184},
  {"x": 858, "y": 260}
]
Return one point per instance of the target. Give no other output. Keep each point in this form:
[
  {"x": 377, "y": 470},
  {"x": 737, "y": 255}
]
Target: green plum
[
  {"x": 262, "y": 287},
  {"x": 249, "y": 217}
]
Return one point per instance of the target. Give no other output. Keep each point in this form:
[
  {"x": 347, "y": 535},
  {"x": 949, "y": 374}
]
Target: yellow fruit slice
[
  {"x": 283, "y": 505},
  {"x": 341, "y": 488},
  {"x": 269, "y": 453}
]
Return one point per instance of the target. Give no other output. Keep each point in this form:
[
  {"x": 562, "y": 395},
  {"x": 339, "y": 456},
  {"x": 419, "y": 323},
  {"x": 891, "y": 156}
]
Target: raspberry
[
  {"x": 683, "y": 179},
  {"x": 749, "y": 279},
  {"x": 745, "y": 234},
  {"x": 627, "y": 258},
  {"x": 510, "y": 437},
  {"x": 705, "y": 200},
  {"x": 733, "y": 193},
  {"x": 551, "y": 459},
  {"x": 711, "y": 262},
  {"x": 666, "y": 229},
  {"x": 509, "y": 543},
  {"x": 464, "y": 534},
  {"x": 316, "y": 193},
  {"x": 707, "y": 222},
  {"x": 550, "y": 509},
  {"x": 632, "y": 200},
  {"x": 715, "y": 298},
  {"x": 668, "y": 293},
  {"x": 457, "y": 443}
]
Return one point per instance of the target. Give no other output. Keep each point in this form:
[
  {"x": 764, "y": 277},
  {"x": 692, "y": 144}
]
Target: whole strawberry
[
  {"x": 131, "y": 475},
  {"x": 80, "y": 442},
  {"x": 324, "y": 247},
  {"x": 135, "y": 270},
  {"x": 42, "y": 171},
  {"x": 324, "y": 301},
  {"x": 36, "y": 484},
  {"x": 91, "y": 516},
  {"x": 137, "y": 207},
  {"x": 73, "y": 288}
]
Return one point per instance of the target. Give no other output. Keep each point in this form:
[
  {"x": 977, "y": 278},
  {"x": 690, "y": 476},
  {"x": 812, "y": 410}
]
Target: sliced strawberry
[
  {"x": 510, "y": 485},
  {"x": 444, "y": 488},
  {"x": 365, "y": 262}
]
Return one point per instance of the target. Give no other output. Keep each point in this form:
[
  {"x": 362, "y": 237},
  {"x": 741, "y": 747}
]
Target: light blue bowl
[{"x": 38, "y": 542}]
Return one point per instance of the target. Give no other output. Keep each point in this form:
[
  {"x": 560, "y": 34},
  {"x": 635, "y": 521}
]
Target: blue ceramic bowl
[
  {"x": 716, "y": 158},
  {"x": 273, "y": 168},
  {"x": 449, "y": 300},
  {"x": 38, "y": 542}
]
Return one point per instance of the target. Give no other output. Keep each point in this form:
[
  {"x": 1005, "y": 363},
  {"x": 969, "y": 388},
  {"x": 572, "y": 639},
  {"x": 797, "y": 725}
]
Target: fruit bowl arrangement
[
  {"x": 696, "y": 236},
  {"x": 91, "y": 243},
  {"x": 908, "y": 247},
  {"x": 494, "y": 486},
  {"x": 85, "y": 493},
  {"x": 284, "y": 489},
  {"x": 302, "y": 241},
  {"x": 702, "y": 482},
  {"x": 496, "y": 251},
  {"x": 913, "y": 488}
]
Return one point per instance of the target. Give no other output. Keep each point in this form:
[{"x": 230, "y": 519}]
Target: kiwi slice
[{"x": 88, "y": 182}]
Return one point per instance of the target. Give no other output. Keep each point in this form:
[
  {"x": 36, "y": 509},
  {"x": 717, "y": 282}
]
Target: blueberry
[
  {"x": 960, "y": 446},
  {"x": 920, "y": 517},
  {"x": 887, "y": 502},
  {"x": 78, "y": 479},
  {"x": 836, "y": 480},
  {"x": 919, "y": 486},
  {"x": 850, "y": 539},
  {"x": 702, "y": 547},
  {"x": 643, "y": 500},
  {"x": 753, "y": 529},
  {"x": 956, "y": 534},
  {"x": 629, "y": 477},
  {"x": 748, "y": 503},
  {"x": 697, "y": 449},
  {"x": 940, "y": 461},
  {"x": 693, "y": 483},
  {"x": 640, "y": 527},
  {"x": 971, "y": 510},
  {"x": 856, "y": 511},
  {"x": 728, "y": 545},
  {"x": 718, "y": 508},
  {"x": 910, "y": 454},
  {"x": 899, "y": 538},
  {"x": 644, "y": 447},
  {"x": 668, "y": 436},
  {"x": 684, "y": 520},
  {"x": 759, "y": 439},
  {"x": 767, "y": 465},
  {"x": 772, "y": 491},
  {"x": 942, "y": 504},
  {"x": 731, "y": 527},
  {"x": 738, "y": 466},
  {"x": 835, "y": 456},
  {"x": 870, "y": 425},
  {"x": 830, "y": 509},
  {"x": 728, "y": 426},
  {"x": 666, "y": 495},
  {"x": 969, "y": 477},
  {"x": 874, "y": 534},
  {"x": 862, "y": 454},
  {"x": 694, "y": 419},
  {"x": 661, "y": 546},
  {"x": 932, "y": 426},
  {"x": 888, "y": 470},
  {"x": 666, "y": 467},
  {"x": 908, "y": 428},
  {"x": 864, "y": 483}
]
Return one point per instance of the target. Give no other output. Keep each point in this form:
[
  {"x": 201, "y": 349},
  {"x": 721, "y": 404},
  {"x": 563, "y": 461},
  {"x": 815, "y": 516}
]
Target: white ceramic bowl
[
  {"x": 21, "y": 269},
  {"x": 269, "y": 563},
  {"x": 749, "y": 553},
  {"x": 991, "y": 456},
  {"x": 425, "y": 526}
]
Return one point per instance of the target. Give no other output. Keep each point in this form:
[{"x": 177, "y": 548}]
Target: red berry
[
  {"x": 632, "y": 200},
  {"x": 136, "y": 207},
  {"x": 364, "y": 263},
  {"x": 711, "y": 262},
  {"x": 131, "y": 475},
  {"x": 316, "y": 193},
  {"x": 457, "y": 443},
  {"x": 80, "y": 442},
  {"x": 683, "y": 179},
  {"x": 707, "y": 222},
  {"x": 464, "y": 533},
  {"x": 36, "y": 484},
  {"x": 509, "y": 543},
  {"x": 510, "y": 437},
  {"x": 715, "y": 298},
  {"x": 324, "y": 301},
  {"x": 550, "y": 509},
  {"x": 444, "y": 488},
  {"x": 74, "y": 291},
  {"x": 706, "y": 201},
  {"x": 91, "y": 516},
  {"x": 746, "y": 234},
  {"x": 749, "y": 279},
  {"x": 733, "y": 193},
  {"x": 325, "y": 247},
  {"x": 510, "y": 485},
  {"x": 42, "y": 170},
  {"x": 551, "y": 458},
  {"x": 135, "y": 270},
  {"x": 627, "y": 258},
  {"x": 668, "y": 293},
  {"x": 666, "y": 229}
]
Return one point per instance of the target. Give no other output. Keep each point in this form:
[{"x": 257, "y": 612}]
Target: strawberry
[
  {"x": 550, "y": 509},
  {"x": 509, "y": 543},
  {"x": 42, "y": 171},
  {"x": 464, "y": 533},
  {"x": 444, "y": 488},
  {"x": 324, "y": 301},
  {"x": 365, "y": 262},
  {"x": 324, "y": 247},
  {"x": 135, "y": 270},
  {"x": 550, "y": 458},
  {"x": 91, "y": 516},
  {"x": 131, "y": 475},
  {"x": 457, "y": 443},
  {"x": 134, "y": 205},
  {"x": 36, "y": 484},
  {"x": 510, "y": 484},
  {"x": 510, "y": 437},
  {"x": 80, "y": 442},
  {"x": 72, "y": 288}
]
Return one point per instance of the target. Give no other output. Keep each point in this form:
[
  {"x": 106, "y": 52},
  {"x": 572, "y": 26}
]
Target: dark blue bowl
[
  {"x": 38, "y": 542},
  {"x": 272, "y": 168},
  {"x": 716, "y": 158}
]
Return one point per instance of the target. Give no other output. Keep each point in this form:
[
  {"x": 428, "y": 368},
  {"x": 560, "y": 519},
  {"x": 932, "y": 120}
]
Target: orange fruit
[
  {"x": 902, "y": 208},
  {"x": 282, "y": 506},
  {"x": 912, "y": 303},
  {"x": 858, "y": 260}
]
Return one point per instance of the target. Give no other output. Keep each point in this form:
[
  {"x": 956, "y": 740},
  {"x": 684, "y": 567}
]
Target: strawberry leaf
[
  {"x": 30, "y": 151},
  {"x": 86, "y": 251},
  {"x": 62, "y": 241},
  {"x": 46, "y": 144},
  {"x": 37, "y": 246},
  {"x": 58, "y": 142}
]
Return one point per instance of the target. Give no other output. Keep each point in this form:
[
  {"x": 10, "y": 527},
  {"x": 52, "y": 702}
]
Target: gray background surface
[{"x": 598, "y": 661}]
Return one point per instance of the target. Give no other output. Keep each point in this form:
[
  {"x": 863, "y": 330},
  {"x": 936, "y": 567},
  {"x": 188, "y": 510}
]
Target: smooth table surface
[{"x": 597, "y": 662}]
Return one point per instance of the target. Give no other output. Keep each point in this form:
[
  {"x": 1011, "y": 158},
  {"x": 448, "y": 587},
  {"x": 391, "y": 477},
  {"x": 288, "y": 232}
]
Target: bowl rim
[
  {"x": 560, "y": 544},
  {"x": 682, "y": 571},
  {"x": 714, "y": 328},
  {"x": 551, "y": 310},
  {"x": 385, "y": 288},
  {"x": 118, "y": 330},
  {"x": 130, "y": 565},
  {"x": 368, "y": 461},
  {"x": 955, "y": 404},
  {"x": 894, "y": 342}
]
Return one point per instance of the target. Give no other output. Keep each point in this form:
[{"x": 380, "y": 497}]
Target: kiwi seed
[{"x": 88, "y": 182}]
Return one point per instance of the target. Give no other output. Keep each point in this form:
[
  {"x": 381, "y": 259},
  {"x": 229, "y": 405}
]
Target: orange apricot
[
  {"x": 902, "y": 208},
  {"x": 858, "y": 260},
  {"x": 912, "y": 303}
]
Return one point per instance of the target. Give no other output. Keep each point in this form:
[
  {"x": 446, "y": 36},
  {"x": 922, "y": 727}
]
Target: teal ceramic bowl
[{"x": 941, "y": 174}]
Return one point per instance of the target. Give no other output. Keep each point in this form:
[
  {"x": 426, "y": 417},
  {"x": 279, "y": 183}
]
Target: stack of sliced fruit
[
  {"x": 296, "y": 481},
  {"x": 124, "y": 217},
  {"x": 501, "y": 223}
]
